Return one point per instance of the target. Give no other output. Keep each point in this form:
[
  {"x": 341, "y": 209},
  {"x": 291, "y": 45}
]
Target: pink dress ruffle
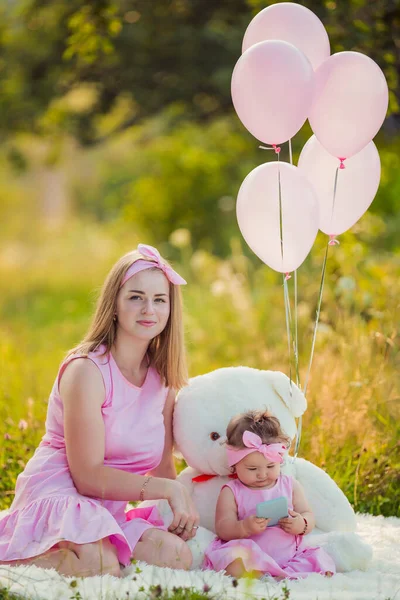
[
  {"x": 42, "y": 524},
  {"x": 272, "y": 552},
  {"x": 47, "y": 507}
]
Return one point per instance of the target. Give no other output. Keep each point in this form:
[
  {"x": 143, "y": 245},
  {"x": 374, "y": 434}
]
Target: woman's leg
[
  {"x": 163, "y": 549},
  {"x": 76, "y": 560}
]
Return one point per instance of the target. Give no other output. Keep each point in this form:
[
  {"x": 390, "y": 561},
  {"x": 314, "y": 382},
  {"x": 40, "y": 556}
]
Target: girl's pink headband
[
  {"x": 253, "y": 443},
  {"x": 154, "y": 262}
]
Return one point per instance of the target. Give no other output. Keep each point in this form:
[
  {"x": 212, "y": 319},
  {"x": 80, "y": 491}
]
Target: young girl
[
  {"x": 108, "y": 438},
  {"x": 255, "y": 447}
]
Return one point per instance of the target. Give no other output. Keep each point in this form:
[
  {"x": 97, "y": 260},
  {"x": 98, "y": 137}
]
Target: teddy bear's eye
[{"x": 214, "y": 436}]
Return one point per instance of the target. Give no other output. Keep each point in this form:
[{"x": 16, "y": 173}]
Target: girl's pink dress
[
  {"x": 273, "y": 551},
  {"x": 47, "y": 507}
]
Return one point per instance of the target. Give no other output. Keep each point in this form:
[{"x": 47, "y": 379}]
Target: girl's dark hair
[{"x": 260, "y": 422}]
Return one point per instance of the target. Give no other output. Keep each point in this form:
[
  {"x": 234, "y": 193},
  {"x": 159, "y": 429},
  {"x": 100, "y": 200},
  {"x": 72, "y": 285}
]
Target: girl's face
[
  {"x": 143, "y": 304},
  {"x": 255, "y": 471}
]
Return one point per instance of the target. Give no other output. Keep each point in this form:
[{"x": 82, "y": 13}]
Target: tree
[{"x": 65, "y": 66}]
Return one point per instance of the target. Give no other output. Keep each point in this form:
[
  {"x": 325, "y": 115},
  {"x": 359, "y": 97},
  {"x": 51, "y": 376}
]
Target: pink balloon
[
  {"x": 350, "y": 103},
  {"x": 259, "y": 217},
  {"x": 356, "y": 185},
  {"x": 272, "y": 88},
  {"x": 292, "y": 23}
]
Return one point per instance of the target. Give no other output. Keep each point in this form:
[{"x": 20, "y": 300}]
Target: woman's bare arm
[{"x": 82, "y": 393}]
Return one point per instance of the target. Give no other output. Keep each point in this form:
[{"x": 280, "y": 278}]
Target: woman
[{"x": 108, "y": 438}]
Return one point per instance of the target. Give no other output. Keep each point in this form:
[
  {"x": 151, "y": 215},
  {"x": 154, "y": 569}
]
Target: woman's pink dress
[
  {"x": 47, "y": 507},
  {"x": 273, "y": 551}
]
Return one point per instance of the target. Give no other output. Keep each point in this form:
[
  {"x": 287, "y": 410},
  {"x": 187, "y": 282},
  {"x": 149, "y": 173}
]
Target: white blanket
[{"x": 381, "y": 581}]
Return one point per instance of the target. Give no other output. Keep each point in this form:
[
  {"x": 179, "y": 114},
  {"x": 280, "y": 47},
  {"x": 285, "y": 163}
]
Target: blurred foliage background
[{"x": 117, "y": 127}]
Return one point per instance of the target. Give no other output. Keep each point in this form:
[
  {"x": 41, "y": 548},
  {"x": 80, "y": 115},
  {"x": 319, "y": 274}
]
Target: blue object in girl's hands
[{"x": 274, "y": 509}]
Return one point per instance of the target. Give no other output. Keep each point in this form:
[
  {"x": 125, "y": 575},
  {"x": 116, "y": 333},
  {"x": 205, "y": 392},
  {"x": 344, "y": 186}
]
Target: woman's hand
[
  {"x": 293, "y": 524},
  {"x": 186, "y": 518},
  {"x": 253, "y": 525}
]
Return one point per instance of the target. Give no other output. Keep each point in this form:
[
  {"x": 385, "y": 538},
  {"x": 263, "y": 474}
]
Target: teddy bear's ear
[{"x": 288, "y": 392}]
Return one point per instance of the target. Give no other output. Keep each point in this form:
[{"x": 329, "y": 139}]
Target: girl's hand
[
  {"x": 254, "y": 525},
  {"x": 186, "y": 518},
  {"x": 293, "y": 524}
]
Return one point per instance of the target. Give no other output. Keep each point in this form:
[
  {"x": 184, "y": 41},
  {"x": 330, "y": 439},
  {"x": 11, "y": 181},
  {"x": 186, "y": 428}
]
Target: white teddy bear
[{"x": 202, "y": 412}]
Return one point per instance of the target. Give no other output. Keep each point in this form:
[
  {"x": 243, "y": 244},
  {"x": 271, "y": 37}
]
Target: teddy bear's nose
[{"x": 214, "y": 436}]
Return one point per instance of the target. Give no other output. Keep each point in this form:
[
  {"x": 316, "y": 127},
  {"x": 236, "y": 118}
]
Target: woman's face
[{"x": 143, "y": 304}]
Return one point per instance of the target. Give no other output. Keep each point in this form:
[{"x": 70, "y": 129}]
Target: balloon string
[
  {"x": 333, "y": 241},
  {"x": 291, "y": 333},
  {"x": 296, "y": 337},
  {"x": 274, "y": 147},
  {"x": 286, "y": 277},
  {"x": 332, "y": 238},
  {"x": 288, "y": 326},
  {"x": 292, "y": 336},
  {"x": 296, "y": 354},
  {"x": 298, "y": 437},
  {"x": 334, "y": 192},
  {"x": 280, "y": 209},
  {"x": 318, "y": 311}
]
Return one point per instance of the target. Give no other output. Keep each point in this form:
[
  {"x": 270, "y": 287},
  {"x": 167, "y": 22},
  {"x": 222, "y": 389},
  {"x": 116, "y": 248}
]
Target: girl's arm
[
  {"x": 166, "y": 468},
  {"x": 227, "y": 525},
  {"x": 301, "y": 513}
]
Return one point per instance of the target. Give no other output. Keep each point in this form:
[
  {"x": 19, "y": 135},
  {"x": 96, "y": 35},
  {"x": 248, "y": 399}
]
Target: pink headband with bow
[
  {"x": 154, "y": 262},
  {"x": 272, "y": 452}
]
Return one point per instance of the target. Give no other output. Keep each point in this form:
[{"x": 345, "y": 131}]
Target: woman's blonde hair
[{"x": 166, "y": 351}]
